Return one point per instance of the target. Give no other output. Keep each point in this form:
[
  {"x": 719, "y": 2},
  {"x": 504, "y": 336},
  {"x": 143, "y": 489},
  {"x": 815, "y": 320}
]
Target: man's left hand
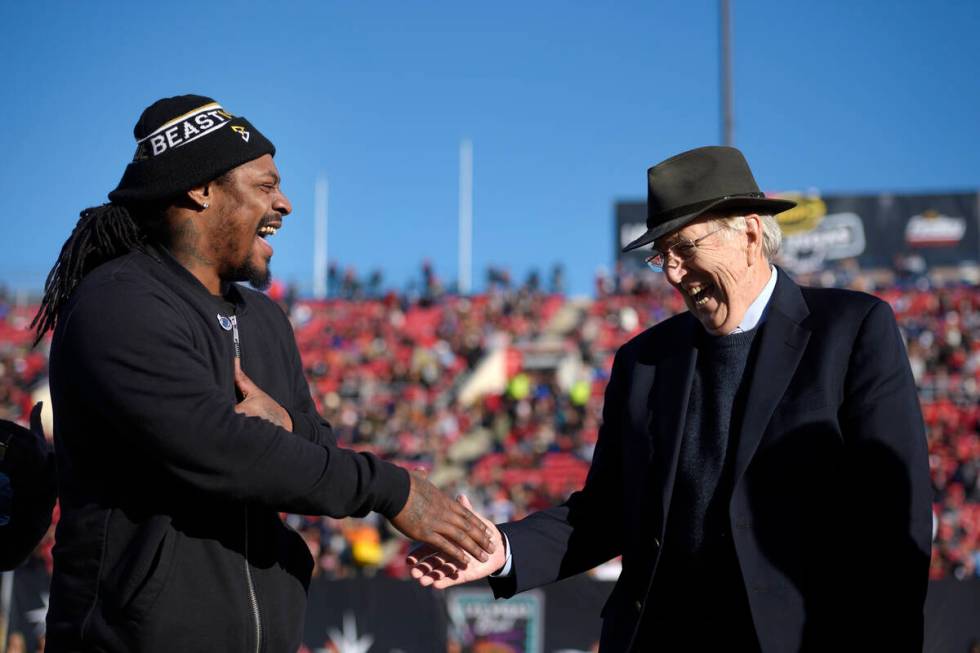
[{"x": 256, "y": 403}]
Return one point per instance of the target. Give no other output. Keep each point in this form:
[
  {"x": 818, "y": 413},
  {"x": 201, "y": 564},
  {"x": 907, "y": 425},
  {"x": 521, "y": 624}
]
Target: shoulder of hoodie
[
  {"x": 134, "y": 285},
  {"x": 124, "y": 274},
  {"x": 138, "y": 277}
]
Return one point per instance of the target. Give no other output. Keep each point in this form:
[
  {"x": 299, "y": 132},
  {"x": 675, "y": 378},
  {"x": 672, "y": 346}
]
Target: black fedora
[{"x": 704, "y": 180}]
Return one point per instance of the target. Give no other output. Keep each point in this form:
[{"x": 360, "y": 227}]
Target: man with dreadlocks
[{"x": 183, "y": 422}]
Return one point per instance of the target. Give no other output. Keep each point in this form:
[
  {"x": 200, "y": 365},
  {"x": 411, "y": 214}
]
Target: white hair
[{"x": 772, "y": 235}]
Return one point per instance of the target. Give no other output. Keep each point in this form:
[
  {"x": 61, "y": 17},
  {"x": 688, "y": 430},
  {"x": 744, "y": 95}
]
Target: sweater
[{"x": 698, "y": 585}]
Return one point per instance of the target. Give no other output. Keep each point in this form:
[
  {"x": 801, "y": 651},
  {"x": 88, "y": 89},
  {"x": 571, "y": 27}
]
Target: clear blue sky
[{"x": 566, "y": 103}]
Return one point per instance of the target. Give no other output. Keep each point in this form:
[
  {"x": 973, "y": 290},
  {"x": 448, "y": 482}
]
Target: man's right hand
[
  {"x": 430, "y": 566},
  {"x": 435, "y": 520}
]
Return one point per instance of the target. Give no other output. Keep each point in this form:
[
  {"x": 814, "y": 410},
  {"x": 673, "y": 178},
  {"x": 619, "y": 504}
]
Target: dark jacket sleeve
[
  {"x": 30, "y": 469},
  {"x": 307, "y": 422},
  {"x": 887, "y": 487},
  {"x": 132, "y": 359},
  {"x": 586, "y": 530}
]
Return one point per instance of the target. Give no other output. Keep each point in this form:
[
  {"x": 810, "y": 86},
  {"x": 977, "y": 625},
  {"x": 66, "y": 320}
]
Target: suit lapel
[
  {"x": 668, "y": 403},
  {"x": 639, "y": 411},
  {"x": 782, "y": 341}
]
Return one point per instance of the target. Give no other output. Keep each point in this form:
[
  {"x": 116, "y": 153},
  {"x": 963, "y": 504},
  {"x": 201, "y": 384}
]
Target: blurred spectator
[{"x": 557, "y": 284}]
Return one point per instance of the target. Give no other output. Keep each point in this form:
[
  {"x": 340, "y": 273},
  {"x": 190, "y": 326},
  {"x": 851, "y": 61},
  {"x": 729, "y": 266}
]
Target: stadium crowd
[{"x": 387, "y": 371}]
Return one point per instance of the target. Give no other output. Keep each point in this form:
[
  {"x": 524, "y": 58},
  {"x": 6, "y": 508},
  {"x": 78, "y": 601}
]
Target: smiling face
[
  {"x": 724, "y": 276},
  {"x": 248, "y": 207}
]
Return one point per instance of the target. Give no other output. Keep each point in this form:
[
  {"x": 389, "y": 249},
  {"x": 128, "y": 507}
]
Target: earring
[{"x": 206, "y": 205}]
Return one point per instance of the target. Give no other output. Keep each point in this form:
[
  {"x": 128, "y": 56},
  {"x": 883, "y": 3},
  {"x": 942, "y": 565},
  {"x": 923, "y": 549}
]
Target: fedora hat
[{"x": 693, "y": 183}]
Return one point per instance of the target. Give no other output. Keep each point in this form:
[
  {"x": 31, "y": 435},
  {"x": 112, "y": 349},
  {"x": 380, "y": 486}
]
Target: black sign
[
  {"x": 383, "y": 615},
  {"x": 942, "y": 229},
  {"x": 376, "y": 615}
]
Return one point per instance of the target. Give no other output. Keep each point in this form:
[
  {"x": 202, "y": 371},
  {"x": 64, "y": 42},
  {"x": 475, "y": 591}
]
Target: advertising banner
[
  {"x": 484, "y": 625},
  {"x": 942, "y": 230}
]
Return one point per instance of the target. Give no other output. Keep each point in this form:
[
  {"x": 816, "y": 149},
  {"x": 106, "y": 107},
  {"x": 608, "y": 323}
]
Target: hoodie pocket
[{"x": 145, "y": 565}]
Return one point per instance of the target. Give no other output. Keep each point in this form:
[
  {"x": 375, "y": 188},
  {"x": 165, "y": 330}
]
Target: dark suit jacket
[{"x": 830, "y": 513}]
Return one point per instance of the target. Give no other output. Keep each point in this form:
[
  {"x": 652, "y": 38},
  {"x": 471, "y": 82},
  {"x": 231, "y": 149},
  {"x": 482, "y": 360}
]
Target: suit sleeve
[
  {"x": 887, "y": 485},
  {"x": 130, "y": 360},
  {"x": 586, "y": 530}
]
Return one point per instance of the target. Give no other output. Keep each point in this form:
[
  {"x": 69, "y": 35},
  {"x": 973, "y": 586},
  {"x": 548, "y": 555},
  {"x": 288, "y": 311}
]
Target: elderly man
[
  {"x": 761, "y": 466},
  {"x": 183, "y": 422}
]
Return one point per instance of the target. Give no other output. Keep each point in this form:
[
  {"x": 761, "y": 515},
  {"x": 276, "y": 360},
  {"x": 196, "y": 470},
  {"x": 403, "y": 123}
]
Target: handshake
[
  {"x": 455, "y": 545},
  {"x": 441, "y": 563}
]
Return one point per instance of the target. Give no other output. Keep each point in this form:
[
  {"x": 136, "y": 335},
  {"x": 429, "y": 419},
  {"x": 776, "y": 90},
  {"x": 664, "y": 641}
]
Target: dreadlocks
[{"x": 102, "y": 233}]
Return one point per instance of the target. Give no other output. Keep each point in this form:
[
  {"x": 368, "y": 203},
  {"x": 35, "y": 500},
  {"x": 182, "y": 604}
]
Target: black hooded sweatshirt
[{"x": 170, "y": 537}]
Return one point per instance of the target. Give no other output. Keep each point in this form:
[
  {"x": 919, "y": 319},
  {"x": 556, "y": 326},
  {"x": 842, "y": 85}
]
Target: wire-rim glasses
[{"x": 684, "y": 249}]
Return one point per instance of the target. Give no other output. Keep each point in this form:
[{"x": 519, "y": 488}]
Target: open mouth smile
[
  {"x": 700, "y": 294},
  {"x": 268, "y": 230}
]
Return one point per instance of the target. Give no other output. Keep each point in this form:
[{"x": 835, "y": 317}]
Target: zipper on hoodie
[
  {"x": 253, "y": 599},
  {"x": 251, "y": 592},
  {"x": 234, "y": 336}
]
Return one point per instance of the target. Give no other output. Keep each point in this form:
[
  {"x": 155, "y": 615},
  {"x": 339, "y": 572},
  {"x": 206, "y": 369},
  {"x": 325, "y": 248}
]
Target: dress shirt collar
[{"x": 756, "y": 314}]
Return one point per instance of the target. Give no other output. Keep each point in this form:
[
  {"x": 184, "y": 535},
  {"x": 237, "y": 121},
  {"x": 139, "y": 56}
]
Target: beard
[
  {"x": 255, "y": 267},
  {"x": 257, "y": 277}
]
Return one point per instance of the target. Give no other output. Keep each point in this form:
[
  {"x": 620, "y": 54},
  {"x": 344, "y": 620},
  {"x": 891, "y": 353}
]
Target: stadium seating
[{"x": 386, "y": 372}]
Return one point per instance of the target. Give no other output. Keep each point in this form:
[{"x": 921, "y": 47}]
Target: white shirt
[{"x": 754, "y": 316}]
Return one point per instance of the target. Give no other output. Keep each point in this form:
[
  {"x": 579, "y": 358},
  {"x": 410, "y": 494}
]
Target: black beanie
[{"x": 183, "y": 142}]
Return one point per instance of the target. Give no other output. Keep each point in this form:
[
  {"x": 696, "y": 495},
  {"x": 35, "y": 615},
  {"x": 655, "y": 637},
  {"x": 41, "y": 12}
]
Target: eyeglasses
[{"x": 683, "y": 249}]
